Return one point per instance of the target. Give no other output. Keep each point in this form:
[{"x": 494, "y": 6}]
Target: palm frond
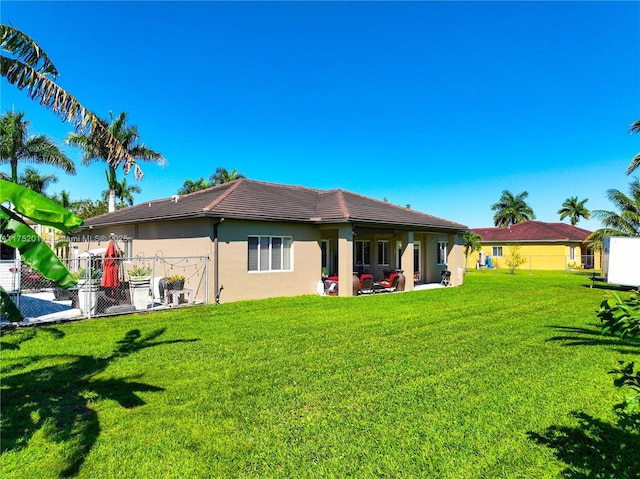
[
  {"x": 49, "y": 94},
  {"x": 22, "y": 46}
]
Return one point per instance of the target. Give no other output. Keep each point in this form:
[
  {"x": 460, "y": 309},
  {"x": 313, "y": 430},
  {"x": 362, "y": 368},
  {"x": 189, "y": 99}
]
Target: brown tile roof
[
  {"x": 533, "y": 231},
  {"x": 256, "y": 200}
]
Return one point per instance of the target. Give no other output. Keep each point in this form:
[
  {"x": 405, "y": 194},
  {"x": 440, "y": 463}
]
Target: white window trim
[
  {"x": 355, "y": 259},
  {"x": 385, "y": 261},
  {"x": 270, "y": 253},
  {"x": 442, "y": 245}
]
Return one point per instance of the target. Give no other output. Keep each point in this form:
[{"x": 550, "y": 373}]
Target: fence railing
[
  {"x": 548, "y": 262},
  {"x": 110, "y": 286}
]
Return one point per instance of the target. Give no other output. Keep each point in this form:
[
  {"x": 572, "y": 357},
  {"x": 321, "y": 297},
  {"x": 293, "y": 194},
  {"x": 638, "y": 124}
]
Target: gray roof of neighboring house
[{"x": 256, "y": 200}]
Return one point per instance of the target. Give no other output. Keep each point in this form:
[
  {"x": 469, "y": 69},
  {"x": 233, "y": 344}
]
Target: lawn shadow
[
  {"x": 575, "y": 336},
  {"x": 593, "y": 448},
  {"x": 56, "y": 400}
]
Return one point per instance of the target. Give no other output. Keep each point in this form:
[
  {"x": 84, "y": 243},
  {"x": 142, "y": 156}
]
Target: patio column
[
  {"x": 455, "y": 260},
  {"x": 406, "y": 260},
  {"x": 345, "y": 260}
]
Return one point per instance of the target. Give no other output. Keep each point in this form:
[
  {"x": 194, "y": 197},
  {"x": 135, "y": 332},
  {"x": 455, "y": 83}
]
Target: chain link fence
[
  {"x": 534, "y": 263},
  {"x": 108, "y": 286}
]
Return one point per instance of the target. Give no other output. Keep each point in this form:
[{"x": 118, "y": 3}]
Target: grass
[{"x": 503, "y": 377}]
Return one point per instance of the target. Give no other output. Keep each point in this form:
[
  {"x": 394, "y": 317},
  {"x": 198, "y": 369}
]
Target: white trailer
[
  {"x": 10, "y": 269},
  {"x": 621, "y": 260}
]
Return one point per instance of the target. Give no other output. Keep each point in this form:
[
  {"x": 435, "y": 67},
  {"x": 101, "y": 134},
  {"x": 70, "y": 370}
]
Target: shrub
[
  {"x": 514, "y": 259},
  {"x": 621, "y": 317},
  {"x": 629, "y": 409},
  {"x": 140, "y": 271}
]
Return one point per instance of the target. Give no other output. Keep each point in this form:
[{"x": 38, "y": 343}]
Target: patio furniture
[
  {"x": 389, "y": 285},
  {"x": 173, "y": 296},
  {"x": 445, "y": 277},
  {"x": 366, "y": 284}
]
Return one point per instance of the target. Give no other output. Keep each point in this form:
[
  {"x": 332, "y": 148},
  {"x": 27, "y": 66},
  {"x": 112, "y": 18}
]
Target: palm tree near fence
[
  {"x": 626, "y": 222},
  {"x": 635, "y": 128},
  {"x": 17, "y": 146},
  {"x": 511, "y": 209},
  {"x": 471, "y": 242},
  {"x": 26, "y": 65},
  {"x": 96, "y": 149},
  {"x": 574, "y": 209}
]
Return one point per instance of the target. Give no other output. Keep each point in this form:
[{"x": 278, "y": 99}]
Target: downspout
[{"x": 215, "y": 261}]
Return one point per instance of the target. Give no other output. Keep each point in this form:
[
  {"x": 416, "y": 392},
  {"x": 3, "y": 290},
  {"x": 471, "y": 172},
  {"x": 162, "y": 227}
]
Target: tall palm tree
[
  {"x": 511, "y": 209},
  {"x": 574, "y": 209},
  {"x": 95, "y": 149},
  {"x": 29, "y": 68},
  {"x": 635, "y": 128},
  {"x": 34, "y": 181},
  {"x": 123, "y": 192},
  {"x": 16, "y": 146},
  {"x": 222, "y": 175},
  {"x": 471, "y": 242},
  {"x": 624, "y": 223}
]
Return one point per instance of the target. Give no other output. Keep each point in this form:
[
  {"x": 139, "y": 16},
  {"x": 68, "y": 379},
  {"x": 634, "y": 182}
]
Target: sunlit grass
[{"x": 452, "y": 382}]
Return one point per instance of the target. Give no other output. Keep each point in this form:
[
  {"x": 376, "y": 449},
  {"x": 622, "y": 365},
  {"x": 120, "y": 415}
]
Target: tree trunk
[{"x": 112, "y": 200}]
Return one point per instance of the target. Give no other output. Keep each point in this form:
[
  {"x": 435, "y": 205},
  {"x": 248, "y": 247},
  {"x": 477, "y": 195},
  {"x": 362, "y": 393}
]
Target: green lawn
[{"x": 503, "y": 377}]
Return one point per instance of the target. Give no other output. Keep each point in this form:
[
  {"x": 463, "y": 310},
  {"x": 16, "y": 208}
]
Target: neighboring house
[
  {"x": 268, "y": 240},
  {"x": 546, "y": 246}
]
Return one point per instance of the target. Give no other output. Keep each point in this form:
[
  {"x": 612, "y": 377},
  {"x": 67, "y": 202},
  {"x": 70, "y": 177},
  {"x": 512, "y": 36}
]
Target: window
[
  {"x": 127, "y": 252},
  {"x": 362, "y": 255},
  {"x": 270, "y": 253},
  {"x": 325, "y": 251},
  {"x": 572, "y": 253},
  {"x": 496, "y": 251},
  {"x": 442, "y": 252},
  {"x": 383, "y": 253}
]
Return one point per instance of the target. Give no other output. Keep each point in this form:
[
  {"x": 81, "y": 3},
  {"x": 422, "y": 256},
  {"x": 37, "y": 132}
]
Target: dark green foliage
[
  {"x": 621, "y": 317},
  {"x": 629, "y": 409}
]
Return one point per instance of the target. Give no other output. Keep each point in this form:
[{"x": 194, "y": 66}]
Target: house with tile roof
[
  {"x": 546, "y": 246},
  {"x": 268, "y": 240}
]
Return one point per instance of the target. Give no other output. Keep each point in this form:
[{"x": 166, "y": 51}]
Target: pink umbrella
[{"x": 110, "y": 277}]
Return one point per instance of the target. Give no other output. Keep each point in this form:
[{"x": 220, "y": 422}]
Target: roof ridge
[
  {"x": 234, "y": 185},
  {"x": 343, "y": 204}
]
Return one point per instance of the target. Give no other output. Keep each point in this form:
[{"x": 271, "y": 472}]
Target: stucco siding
[{"x": 239, "y": 283}]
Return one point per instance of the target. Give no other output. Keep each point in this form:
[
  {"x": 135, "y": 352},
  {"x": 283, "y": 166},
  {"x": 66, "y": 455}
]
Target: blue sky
[{"x": 440, "y": 105}]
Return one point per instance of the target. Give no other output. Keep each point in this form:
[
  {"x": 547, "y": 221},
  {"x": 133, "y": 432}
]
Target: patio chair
[
  {"x": 389, "y": 285},
  {"x": 366, "y": 284}
]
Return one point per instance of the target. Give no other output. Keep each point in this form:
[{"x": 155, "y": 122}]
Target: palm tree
[
  {"x": 635, "y": 128},
  {"x": 63, "y": 199},
  {"x": 34, "y": 181},
  {"x": 471, "y": 242},
  {"x": 95, "y": 149},
  {"x": 624, "y": 223},
  {"x": 29, "y": 68},
  {"x": 190, "y": 186},
  {"x": 511, "y": 209},
  {"x": 123, "y": 192},
  {"x": 574, "y": 209},
  {"x": 222, "y": 175},
  {"x": 17, "y": 146}
]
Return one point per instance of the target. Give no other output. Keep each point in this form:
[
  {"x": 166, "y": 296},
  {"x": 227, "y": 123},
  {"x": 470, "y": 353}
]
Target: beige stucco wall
[
  {"x": 194, "y": 237},
  {"x": 241, "y": 284}
]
